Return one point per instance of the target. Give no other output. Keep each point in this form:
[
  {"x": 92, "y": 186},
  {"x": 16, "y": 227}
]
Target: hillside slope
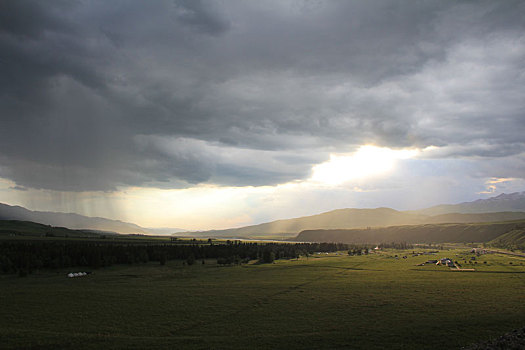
[
  {"x": 474, "y": 218},
  {"x": 355, "y": 218},
  {"x": 28, "y": 228},
  {"x": 514, "y": 239},
  {"x": 340, "y": 218},
  {"x": 429, "y": 233},
  {"x": 70, "y": 220}
]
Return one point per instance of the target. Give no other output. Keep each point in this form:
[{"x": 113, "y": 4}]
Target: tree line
[
  {"x": 27, "y": 256},
  {"x": 396, "y": 245}
]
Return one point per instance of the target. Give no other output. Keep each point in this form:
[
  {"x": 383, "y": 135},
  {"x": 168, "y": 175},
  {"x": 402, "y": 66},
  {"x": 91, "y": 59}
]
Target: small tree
[
  {"x": 268, "y": 257},
  {"x": 162, "y": 258},
  {"x": 191, "y": 259}
]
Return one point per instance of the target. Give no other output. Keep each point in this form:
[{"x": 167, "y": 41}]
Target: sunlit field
[{"x": 323, "y": 302}]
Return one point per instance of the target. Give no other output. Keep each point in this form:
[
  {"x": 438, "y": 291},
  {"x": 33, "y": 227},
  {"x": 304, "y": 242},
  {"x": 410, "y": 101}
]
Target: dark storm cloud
[
  {"x": 196, "y": 14},
  {"x": 97, "y": 94},
  {"x": 30, "y": 19}
]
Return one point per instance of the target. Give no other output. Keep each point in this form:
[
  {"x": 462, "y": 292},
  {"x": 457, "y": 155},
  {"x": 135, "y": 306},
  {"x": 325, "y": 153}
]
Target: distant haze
[
  {"x": 510, "y": 207},
  {"x": 218, "y": 114},
  {"x": 506, "y": 207},
  {"x": 75, "y": 221}
]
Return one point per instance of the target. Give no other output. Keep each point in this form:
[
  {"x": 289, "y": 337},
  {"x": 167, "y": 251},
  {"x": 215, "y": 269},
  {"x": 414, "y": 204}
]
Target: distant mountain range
[
  {"x": 76, "y": 221},
  {"x": 468, "y": 222},
  {"x": 340, "y": 218},
  {"x": 503, "y": 202},
  {"x": 501, "y": 208},
  {"x": 353, "y": 219}
]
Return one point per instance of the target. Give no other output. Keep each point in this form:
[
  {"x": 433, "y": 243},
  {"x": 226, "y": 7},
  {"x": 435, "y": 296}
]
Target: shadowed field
[{"x": 325, "y": 302}]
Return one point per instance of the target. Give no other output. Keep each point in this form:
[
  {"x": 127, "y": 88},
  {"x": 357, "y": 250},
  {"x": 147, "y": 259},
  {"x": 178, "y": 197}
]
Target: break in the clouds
[{"x": 100, "y": 95}]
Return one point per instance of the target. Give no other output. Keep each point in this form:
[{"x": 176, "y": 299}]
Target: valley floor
[{"x": 330, "y": 301}]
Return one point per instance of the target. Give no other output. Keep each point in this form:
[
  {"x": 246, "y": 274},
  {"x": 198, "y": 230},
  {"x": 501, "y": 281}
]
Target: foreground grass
[{"x": 325, "y": 302}]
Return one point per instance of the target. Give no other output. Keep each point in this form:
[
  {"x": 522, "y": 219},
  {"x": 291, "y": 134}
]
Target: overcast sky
[{"x": 211, "y": 114}]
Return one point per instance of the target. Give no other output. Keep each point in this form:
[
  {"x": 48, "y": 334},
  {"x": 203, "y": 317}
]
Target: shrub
[
  {"x": 191, "y": 259},
  {"x": 268, "y": 257}
]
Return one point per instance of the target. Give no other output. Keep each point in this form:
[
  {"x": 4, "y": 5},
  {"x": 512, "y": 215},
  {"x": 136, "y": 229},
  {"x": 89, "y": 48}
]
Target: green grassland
[{"x": 329, "y": 301}]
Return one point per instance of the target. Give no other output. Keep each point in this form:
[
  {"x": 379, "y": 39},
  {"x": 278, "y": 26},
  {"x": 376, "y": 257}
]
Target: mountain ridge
[
  {"x": 355, "y": 219},
  {"x": 72, "y": 220},
  {"x": 504, "y": 202},
  {"x": 510, "y": 207},
  {"x": 507, "y": 231}
]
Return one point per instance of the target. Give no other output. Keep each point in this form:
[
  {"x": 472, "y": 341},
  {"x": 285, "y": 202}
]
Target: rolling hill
[
  {"x": 500, "y": 208},
  {"x": 504, "y": 207},
  {"x": 354, "y": 219},
  {"x": 28, "y": 228},
  {"x": 471, "y": 218},
  {"x": 510, "y": 231},
  {"x": 69, "y": 220},
  {"x": 341, "y": 218},
  {"x": 513, "y": 238},
  {"x": 78, "y": 222}
]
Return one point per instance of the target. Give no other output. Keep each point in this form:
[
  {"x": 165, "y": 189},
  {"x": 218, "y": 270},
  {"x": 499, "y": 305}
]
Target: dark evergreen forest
[{"x": 24, "y": 257}]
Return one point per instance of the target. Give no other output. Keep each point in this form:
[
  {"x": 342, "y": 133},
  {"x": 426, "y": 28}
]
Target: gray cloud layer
[{"x": 98, "y": 94}]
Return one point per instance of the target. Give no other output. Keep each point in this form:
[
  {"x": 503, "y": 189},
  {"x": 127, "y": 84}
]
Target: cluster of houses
[
  {"x": 479, "y": 252},
  {"x": 445, "y": 262}
]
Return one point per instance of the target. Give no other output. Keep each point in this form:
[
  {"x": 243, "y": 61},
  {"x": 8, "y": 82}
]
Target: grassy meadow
[{"x": 324, "y": 302}]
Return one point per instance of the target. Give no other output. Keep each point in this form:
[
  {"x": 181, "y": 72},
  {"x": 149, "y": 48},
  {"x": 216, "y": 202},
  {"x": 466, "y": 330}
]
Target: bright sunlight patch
[{"x": 367, "y": 161}]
